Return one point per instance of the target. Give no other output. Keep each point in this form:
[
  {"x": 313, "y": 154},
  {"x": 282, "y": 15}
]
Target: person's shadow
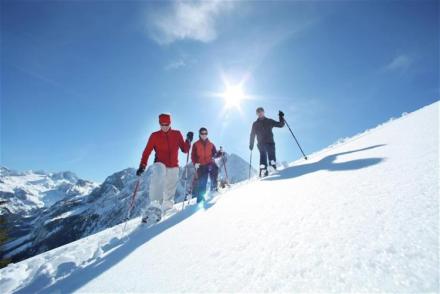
[
  {"x": 76, "y": 277},
  {"x": 328, "y": 163}
]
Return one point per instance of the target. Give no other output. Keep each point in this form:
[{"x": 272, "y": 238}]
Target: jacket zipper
[{"x": 169, "y": 151}]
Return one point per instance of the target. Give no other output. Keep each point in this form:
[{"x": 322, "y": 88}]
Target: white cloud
[
  {"x": 175, "y": 64},
  {"x": 400, "y": 62},
  {"x": 193, "y": 20}
]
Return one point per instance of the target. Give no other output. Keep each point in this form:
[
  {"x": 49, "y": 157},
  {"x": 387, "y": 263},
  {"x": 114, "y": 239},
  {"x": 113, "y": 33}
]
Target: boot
[{"x": 152, "y": 215}]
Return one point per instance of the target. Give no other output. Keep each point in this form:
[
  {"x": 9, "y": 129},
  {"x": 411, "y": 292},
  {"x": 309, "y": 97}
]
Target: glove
[
  {"x": 281, "y": 114},
  {"x": 197, "y": 165},
  {"x": 189, "y": 136},
  {"x": 140, "y": 170},
  {"x": 251, "y": 147}
]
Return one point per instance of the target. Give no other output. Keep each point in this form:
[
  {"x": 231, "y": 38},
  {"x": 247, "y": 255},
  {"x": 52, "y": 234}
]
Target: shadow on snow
[
  {"x": 76, "y": 277},
  {"x": 327, "y": 163}
]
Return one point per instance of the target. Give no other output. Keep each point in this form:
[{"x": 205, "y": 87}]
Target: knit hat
[
  {"x": 260, "y": 109},
  {"x": 165, "y": 119}
]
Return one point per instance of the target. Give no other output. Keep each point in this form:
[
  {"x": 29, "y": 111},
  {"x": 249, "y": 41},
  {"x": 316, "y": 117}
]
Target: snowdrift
[{"x": 362, "y": 215}]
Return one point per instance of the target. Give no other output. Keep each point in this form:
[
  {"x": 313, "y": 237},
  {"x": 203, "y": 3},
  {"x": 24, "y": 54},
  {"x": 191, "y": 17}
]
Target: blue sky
[{"x": 82, "y": 82}]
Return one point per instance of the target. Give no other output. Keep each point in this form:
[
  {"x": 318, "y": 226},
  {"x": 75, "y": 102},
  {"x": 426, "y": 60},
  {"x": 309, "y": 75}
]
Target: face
[
  {"x": 203, "y": 135},
  {"x": 260, "y": 114},
  {"x": 164, "y": 127}
]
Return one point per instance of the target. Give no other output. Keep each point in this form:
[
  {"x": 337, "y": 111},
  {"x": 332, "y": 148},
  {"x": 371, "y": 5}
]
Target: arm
[
  {"x": 194, "y": 158},
  {"x": 184, "y": 145},
  {"x": 277, "y": 124},
  {"x": 252, "y": 138},
  {"x": 147, "y": 151},
  {"x": 215, "y": 153}
]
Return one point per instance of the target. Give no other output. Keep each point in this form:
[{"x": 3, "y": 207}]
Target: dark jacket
[{"x": 262, "y": 128}]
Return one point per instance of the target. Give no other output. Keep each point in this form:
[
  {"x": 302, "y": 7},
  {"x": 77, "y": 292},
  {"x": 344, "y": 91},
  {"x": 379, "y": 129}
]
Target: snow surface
[{"x": 362, "y": 215}]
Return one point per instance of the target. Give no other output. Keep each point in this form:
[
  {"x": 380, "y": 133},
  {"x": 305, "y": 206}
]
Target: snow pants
[
  {"x": 163, "y": 186},
  {"x": 203, "y": 172},
  {"x": 267, "y": 150}
]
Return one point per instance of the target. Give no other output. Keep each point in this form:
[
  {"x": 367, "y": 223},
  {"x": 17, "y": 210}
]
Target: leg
[
  {"x": 201, "y": 187},
  {"x": 213, "y": 175},
  {"x": 263, "y": 159},
  {"x": 194, "y": 186},
  {"x": 153, "y": 212},
  {"x": 157, "y": 186},
  {"x": 171, "y": 179},
  {"x": 271, "y": 153}
]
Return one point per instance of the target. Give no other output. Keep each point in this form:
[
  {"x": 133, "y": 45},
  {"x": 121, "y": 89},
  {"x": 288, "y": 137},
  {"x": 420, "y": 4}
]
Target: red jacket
[
  {"x": 166, "y": 145},
  {"x": 203, "y": 152}
]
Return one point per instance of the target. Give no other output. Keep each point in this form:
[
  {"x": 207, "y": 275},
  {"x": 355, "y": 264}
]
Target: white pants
[{"x": 163, "y": 185}]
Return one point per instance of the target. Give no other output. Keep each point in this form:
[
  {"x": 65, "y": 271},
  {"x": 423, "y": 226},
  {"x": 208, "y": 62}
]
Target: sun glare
[{"x": 233, "y": 96}]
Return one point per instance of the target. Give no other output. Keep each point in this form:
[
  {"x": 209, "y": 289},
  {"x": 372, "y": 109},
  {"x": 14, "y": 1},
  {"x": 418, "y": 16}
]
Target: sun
[{"x": 233, "y": 96}]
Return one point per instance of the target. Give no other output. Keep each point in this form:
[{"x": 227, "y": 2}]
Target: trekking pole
[
  {"x": 131, "y": 205},
  {"x": 226, "y": 170},
  {"x": 186, "y": 179},
  {"x": 305, "y": 157},
  {"x": 250, "y": 166}
]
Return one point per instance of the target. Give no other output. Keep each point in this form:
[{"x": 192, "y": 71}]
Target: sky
[{"x": 83, "y": 82}]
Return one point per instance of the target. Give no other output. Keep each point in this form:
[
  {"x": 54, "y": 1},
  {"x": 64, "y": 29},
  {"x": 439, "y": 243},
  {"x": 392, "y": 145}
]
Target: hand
[
  {"x": 140, "y": 170},
  {"x": 189, "y": 136},
  {"x": 251, "y": 147},
  {"x": 197, "y": 165},
  {"x": 281, "y": 114}
]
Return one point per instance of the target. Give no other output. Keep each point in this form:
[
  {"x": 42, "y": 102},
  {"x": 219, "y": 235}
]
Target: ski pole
[
  {"x": 186, "y": 178},
  {"x": 131, "y": 205},
  {"x": 133, "y": 197},
  {"x": 305, "y": 157},
  {"x": 226, "y": 170},
  {"x": 250, "y": 166}
]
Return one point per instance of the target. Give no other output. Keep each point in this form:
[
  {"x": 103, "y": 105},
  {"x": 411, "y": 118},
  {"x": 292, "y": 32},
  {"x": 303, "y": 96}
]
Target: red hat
[{"x": 165, "y": 119}]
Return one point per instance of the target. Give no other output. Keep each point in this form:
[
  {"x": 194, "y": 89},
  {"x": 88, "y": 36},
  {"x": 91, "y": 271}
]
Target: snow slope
[
  {"x": 362, "y": 215},
  {"x": 43, "y": 211}
]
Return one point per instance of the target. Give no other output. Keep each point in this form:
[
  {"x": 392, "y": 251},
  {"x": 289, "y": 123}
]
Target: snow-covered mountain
[
  {"x": 46, "y": 210},
  {"x": 359, "y": 216},
  {"x": 31, "y": 190}
]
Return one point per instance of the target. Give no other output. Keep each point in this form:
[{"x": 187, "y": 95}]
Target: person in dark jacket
[
  {"x": 202, "y": 155},
  {"x": 262, "y": 129}
]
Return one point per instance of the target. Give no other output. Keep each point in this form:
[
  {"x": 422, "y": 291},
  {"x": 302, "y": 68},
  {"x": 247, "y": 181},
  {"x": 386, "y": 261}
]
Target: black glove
[
  {"x": 140, "y": 170},
  {"x": 281, "y": 114},
  {"x": 189, "y": 136},
  {"x": 251, "y": 147}
]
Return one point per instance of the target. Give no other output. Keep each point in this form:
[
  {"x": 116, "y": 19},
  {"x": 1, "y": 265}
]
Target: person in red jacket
[
  {"x": 165, "y": 170},
  {"x": 202, "y": 156}
]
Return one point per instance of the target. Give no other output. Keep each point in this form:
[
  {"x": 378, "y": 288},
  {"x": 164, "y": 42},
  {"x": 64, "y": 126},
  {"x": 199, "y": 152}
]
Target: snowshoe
[
  {"x": 271, "y": 169},
  {"x": 263, "y": 172},
  {"x": 152, "y": 216}
]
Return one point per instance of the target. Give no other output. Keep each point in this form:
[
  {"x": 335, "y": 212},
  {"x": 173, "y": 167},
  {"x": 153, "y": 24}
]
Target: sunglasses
[
  {"x": 164, "y": 125},
  {"x": 203, "y": 134}
]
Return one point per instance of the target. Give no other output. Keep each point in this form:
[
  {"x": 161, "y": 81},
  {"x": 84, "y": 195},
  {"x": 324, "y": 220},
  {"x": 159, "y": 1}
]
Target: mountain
[
  {"x": 359, "y": 216},
  {"x": 47, "y": 210},
  {"x": 25, "y": 192}
]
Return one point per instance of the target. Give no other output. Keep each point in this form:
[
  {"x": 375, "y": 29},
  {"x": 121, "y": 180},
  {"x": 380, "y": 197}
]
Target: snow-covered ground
[{"x": 362, "y": 215}]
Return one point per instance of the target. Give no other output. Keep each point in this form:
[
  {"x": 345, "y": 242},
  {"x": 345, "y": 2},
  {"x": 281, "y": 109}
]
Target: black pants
[
  {"x": 267, "y": 150},
  {"x": 203, "y": 172}
]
